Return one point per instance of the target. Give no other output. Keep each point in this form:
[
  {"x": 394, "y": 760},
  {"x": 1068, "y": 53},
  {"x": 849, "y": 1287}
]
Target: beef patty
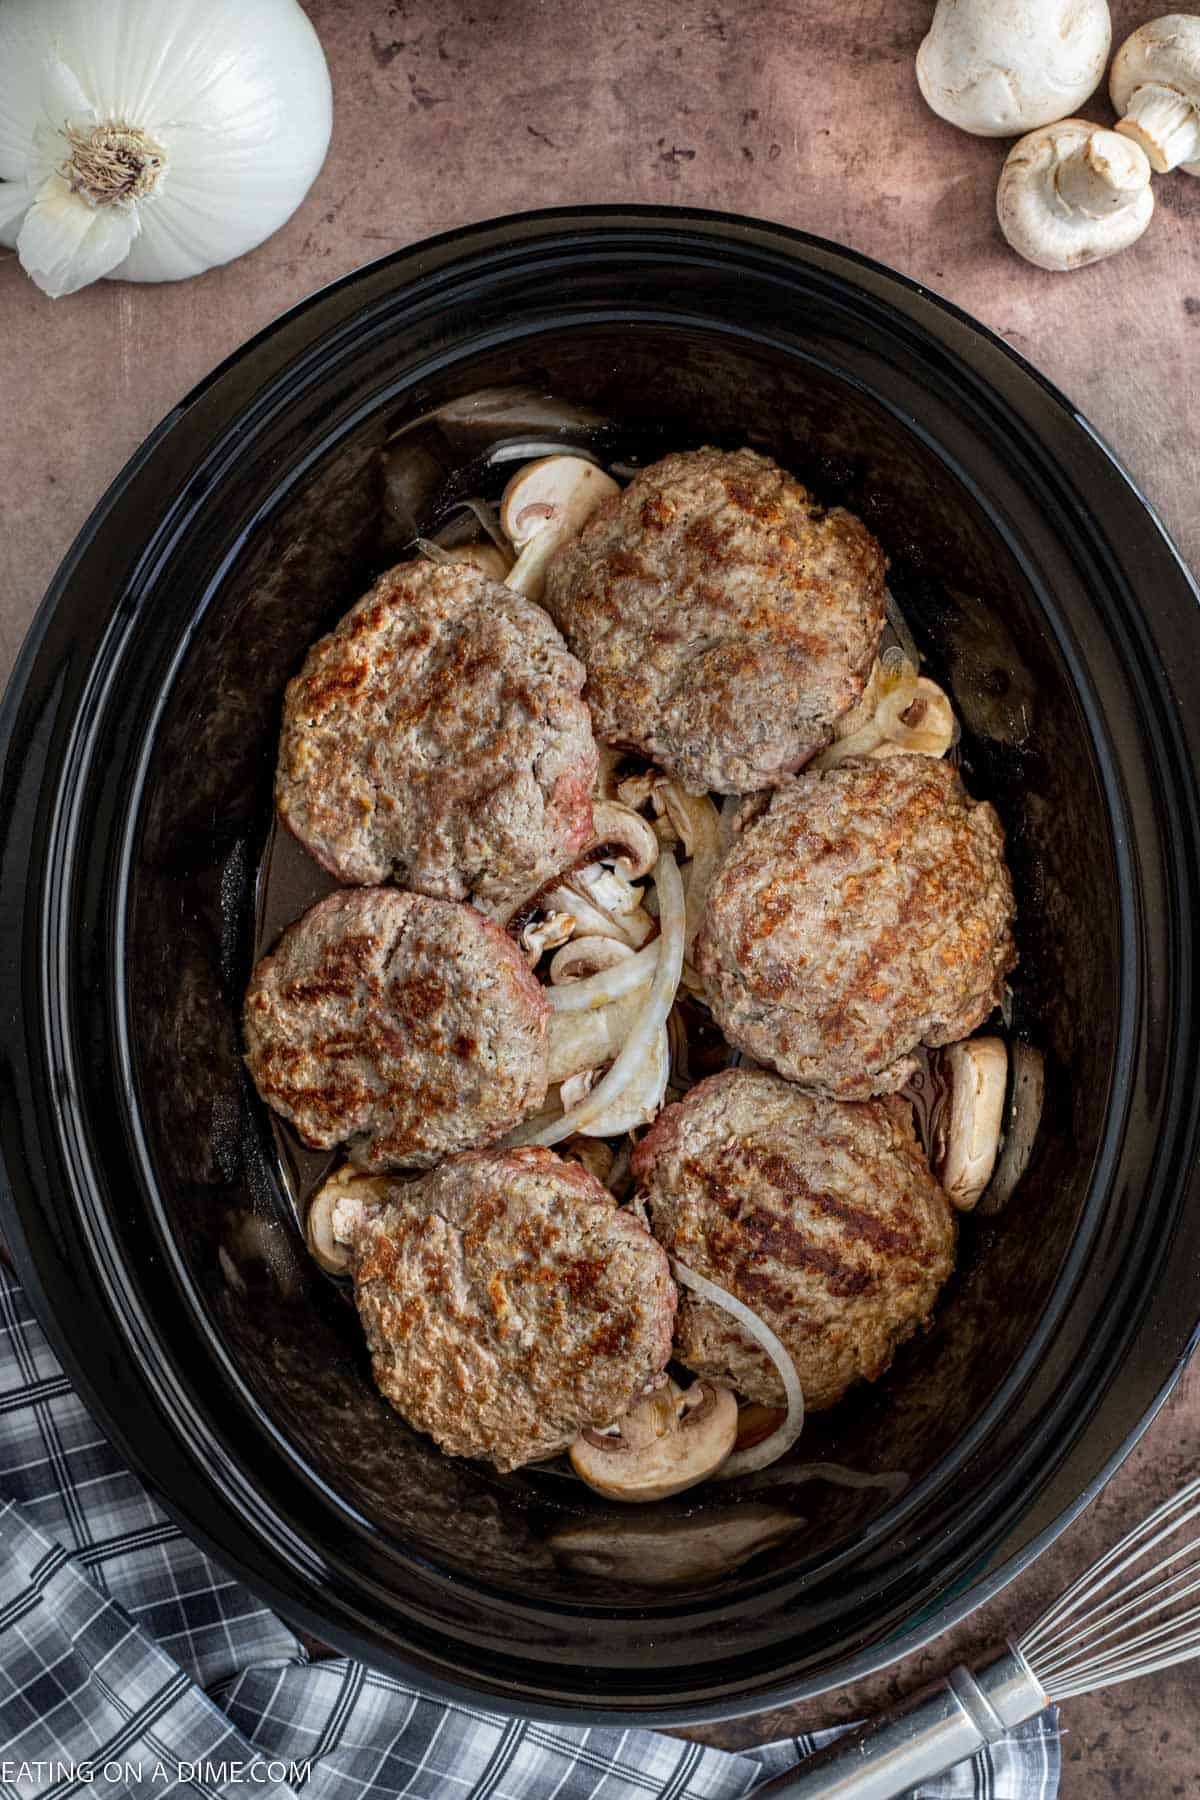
[
  {"x": 821, "y": 1215},
  {"x": 404, "y": 1027},
  {"x": 866, "y": 911},
  {"x": 508, "y": 1303},
  {"x": 437, "y": 738},
  {"x": 726, "y": 619}
]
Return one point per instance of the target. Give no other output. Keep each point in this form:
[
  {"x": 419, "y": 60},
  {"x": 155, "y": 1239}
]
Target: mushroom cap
[
  {"x": 999, "y": 67},
  {"x": 669, "y": 1441},
  {"x": 554, "y": 492},
  {"x": 1036, "y": 220},
  {"x": 974, "y": 1118},
  {"x": 1165, "y": 53}
]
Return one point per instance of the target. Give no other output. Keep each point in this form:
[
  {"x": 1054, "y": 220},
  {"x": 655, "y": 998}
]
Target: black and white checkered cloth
[{"x": 132, "y": 1666}]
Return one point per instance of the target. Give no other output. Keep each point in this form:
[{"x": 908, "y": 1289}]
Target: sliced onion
[
  {"x": 491, "y": 524},
  {"x": 697, "y": 822},
  {"x": 588, "y": 1040},
  {"x": 760, "y": 1456},
  {"x": 532, "y": 449},
  {"x": 596, "y": 990},
  {"x": 652, "y": 1017},
  {"x": 642, "y": 1099}
]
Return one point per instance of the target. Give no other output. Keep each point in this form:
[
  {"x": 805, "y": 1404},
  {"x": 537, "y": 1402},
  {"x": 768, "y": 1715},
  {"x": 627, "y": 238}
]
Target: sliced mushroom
[
  {"x": 590, "y": 920},
  {"x": 487, "y": 557},
  {"x": 669, "y": 1552},
  {"x": 545, "y": 505},
  {"x": 1022, "y": 1117},
  {"x": 621, "y": 836},
  {"x": 585, "y": 956},
  {"x": 926, "y": 727},
  {"x": 901, "y": 714},
  {"x": 756, "y": 1423},
  {"x": 635, "y": 790},
  {"x": 596, "y": 1156},
  {"x": 607, "y": 765},
  {"x": 607, "y": 888},
  {"x": 698, "y": 824},
  {"x": 336, "y": 1213},
  {"x": 967, "y": 1135},
  {"x": 669, "y": 1441},
  {"x": 606, "y": 904},
  {"x": 546, "y": 933}
]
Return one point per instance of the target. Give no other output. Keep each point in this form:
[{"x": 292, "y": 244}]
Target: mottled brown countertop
[{"x": 805, "y": 113}]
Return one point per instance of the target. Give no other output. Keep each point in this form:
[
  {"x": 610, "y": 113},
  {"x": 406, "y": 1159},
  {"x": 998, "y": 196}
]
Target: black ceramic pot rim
[{"x": 51, "y": 1030}]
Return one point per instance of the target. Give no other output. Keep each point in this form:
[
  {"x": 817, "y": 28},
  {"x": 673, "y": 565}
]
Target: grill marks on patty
[
  {"x": 438, "y": 737},
  {"x": 508, "y": 1304},
  {"x": 725, "y": 619},
  {"x": 405, "y": 1027},
  {"x": 866, "y": 911},
  {"x": 821, "y": 1215}
]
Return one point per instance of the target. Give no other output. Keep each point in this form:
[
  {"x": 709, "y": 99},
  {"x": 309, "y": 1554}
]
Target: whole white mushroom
[
  {"x": 1001, "y": 67},
  {"x": 1073, "y": 193},
  {"x": 1155, "y": 86}
]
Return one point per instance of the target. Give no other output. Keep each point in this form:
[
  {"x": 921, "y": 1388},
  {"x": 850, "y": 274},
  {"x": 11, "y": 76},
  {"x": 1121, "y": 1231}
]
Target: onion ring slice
[
  {"x": 660, "y": 997},
  {"x": 759, "y": 1456}
]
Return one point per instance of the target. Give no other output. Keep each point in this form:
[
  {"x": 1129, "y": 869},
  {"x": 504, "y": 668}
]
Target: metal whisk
[{"x": 1126, "y": 1616}]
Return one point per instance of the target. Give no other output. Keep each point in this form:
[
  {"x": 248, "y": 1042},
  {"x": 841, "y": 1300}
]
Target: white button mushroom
[
  {"x": 488, "y": 557},
  {"x": 669, "y": 1441},
  {"x": 545, "y": 505},
  {"x": 967, "y": 1135},
  {"x": 1155, "y": 87},
  {"x": 1000, "y": 67},
  {"x": 1073, "y": 193},
  {"x": 337, "y": 1212}
]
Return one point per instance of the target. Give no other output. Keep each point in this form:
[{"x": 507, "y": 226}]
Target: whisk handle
[{"x": 921, "y": 1738}]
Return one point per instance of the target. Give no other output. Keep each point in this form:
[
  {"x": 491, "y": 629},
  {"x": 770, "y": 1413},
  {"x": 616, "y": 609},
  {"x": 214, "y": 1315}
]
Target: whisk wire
[
  {"x": 1164, "y": 1594},
  {"x": 1100, "y": 1632}
]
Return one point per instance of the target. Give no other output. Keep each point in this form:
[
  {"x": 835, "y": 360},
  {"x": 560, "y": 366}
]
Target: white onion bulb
[{"x": 152, "y": 139}]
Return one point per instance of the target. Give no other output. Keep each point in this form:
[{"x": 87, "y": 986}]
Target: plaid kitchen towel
[{"x": 131, "y": 1665}]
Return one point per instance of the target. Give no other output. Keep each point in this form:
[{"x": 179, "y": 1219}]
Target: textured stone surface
[{"x": 806, "y": 113}]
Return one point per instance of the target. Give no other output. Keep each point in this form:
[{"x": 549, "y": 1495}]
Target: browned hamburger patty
[
  {"x": 508, "y": 1303},
  {"x": 404, "y": 1027},
  {"x": 821, "y": 1215},
  {"x": 726, "y": 619},
  {"x": 437, "y": 738},
  {"x": 866, "y": 911}
]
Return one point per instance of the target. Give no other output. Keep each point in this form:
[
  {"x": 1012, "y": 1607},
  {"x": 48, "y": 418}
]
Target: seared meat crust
[
  {"x": 819, "y": 1214},
  {"x": 402, "y": 1026},
  {"x": 437, "y": 737},
  {"x": 508, "y": 1303},
  {"x": 866, "y": 911},
  {"x": 725, "y": 618}
]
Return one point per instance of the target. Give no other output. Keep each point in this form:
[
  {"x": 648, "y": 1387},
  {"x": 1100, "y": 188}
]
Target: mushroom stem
[
  {"x": 1155, "y": 88},
  {"x": 1164, "y": 124},
  {"x": 1073, "y": 193},
  {"x": 1101, "y": 176}
]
